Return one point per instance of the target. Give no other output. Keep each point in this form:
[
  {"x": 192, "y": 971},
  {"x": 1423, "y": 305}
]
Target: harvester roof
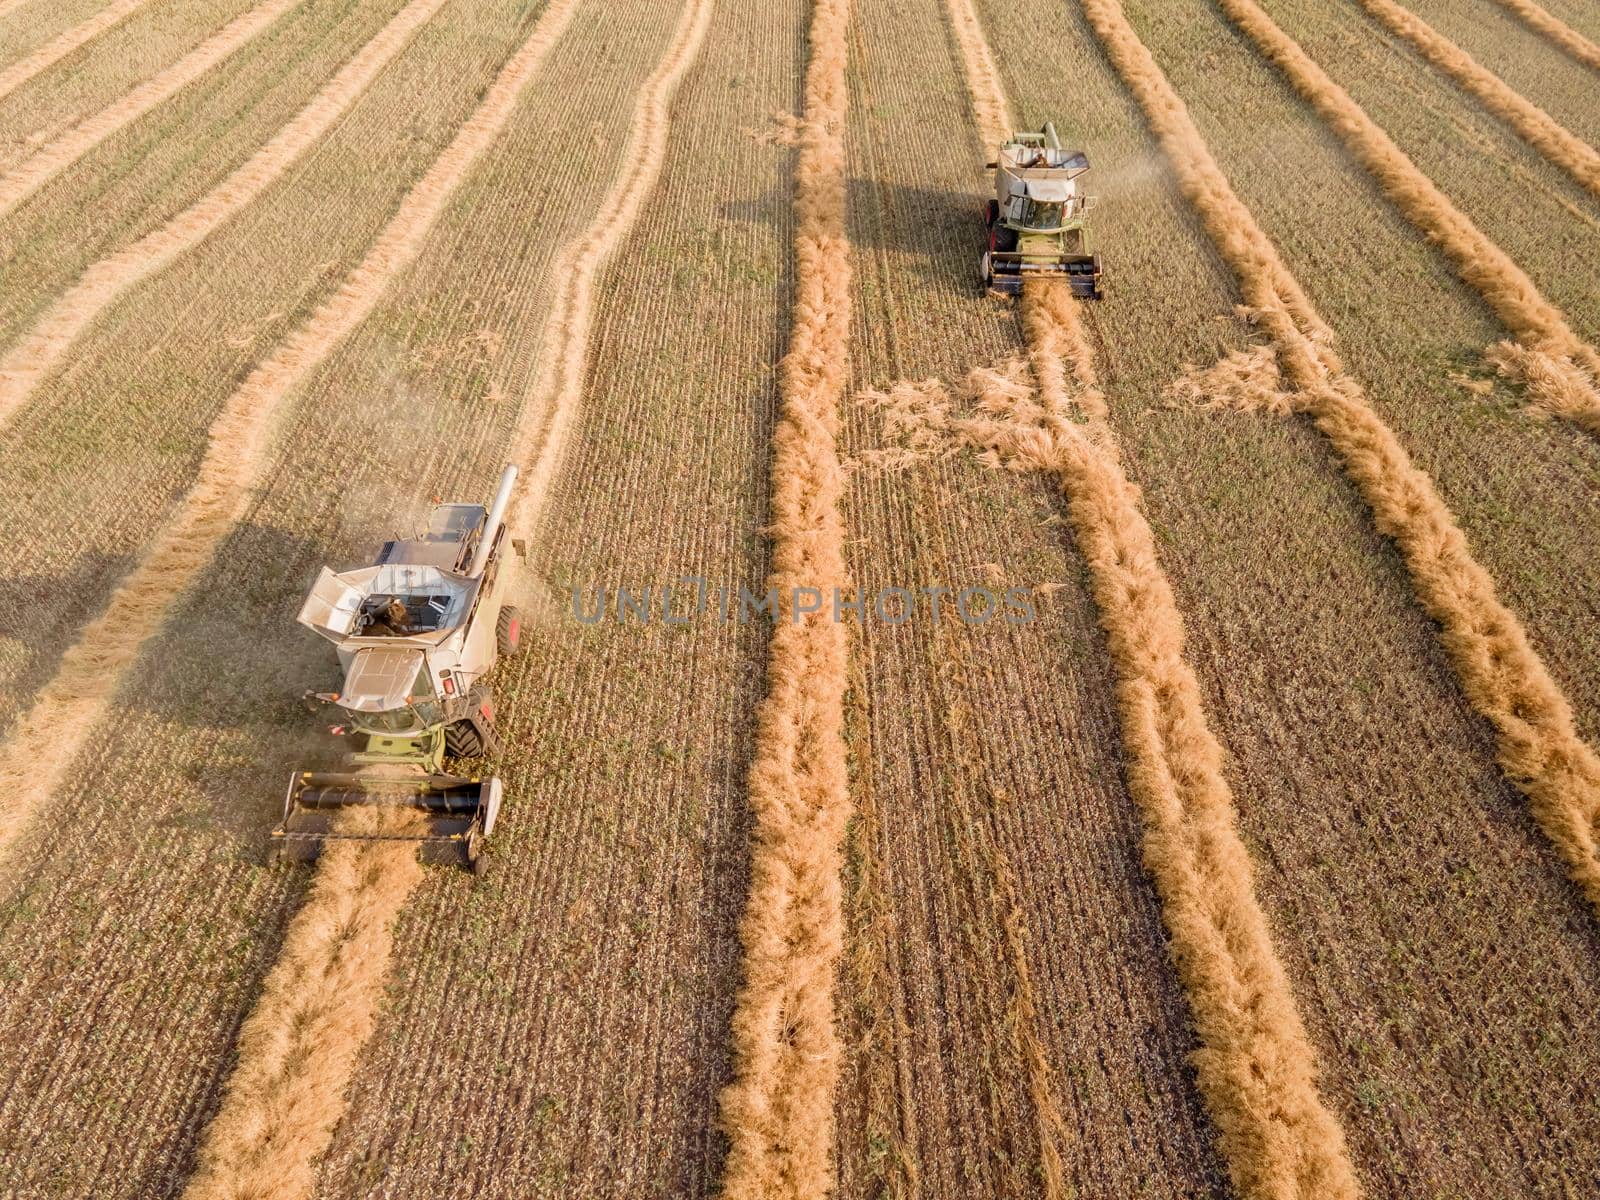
[{"x": 380, "y": 679}]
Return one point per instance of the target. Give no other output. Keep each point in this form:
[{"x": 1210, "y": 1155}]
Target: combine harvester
[
  {"x": 1036, "y": 222},
  {"x": 415, "y": 633}
]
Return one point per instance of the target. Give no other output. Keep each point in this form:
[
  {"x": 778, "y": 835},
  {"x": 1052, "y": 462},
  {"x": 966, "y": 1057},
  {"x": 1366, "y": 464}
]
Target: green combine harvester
[
  {"x": 416, "y": 632},
  {"x": 1036, "y": 222}
]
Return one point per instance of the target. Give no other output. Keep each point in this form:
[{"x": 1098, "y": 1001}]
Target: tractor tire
[
  {"x": 991, "y": 213},
  {"x": 461, "y": 740},
  {"x": 508, "y": 631}
]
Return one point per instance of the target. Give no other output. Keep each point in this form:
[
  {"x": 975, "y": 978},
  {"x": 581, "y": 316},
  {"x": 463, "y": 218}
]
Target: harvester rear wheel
[
  {"x": 461, "y": 740},
  {"x": 508, "y": 630}
]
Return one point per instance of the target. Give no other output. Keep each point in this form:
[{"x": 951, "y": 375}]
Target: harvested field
[{"x": 1253, "y": 864}]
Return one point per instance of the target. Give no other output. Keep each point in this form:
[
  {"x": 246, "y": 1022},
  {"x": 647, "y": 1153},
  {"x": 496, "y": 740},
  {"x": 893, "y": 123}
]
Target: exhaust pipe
[{"x": 497, "y": 514}]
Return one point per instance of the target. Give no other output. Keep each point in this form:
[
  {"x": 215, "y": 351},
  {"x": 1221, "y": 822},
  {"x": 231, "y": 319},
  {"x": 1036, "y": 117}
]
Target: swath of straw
[
  {"x": 317, "y": 1008},
  {"x": 1532, "y": 123},
  {"x": 57, "y": 726},
  {"x": 51, "y": 159},
  {"x": 1256, "y": 1068},
  {"x": 47, "y": 343},
  {"x": 548, "y": 416},
  {"x": 1557, "y": 32},
  {"x": 53, "y": 51},
  {"x": 1566, "y": 383},
  {"x": 778, "y": 1111},
  {"x": 1502, "y": 677},
  {"x": 296, "y": 1055}
]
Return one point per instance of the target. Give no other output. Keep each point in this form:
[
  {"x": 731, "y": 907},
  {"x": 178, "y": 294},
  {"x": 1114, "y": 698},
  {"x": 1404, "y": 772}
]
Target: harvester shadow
[
  {"x": 224, "y": 678},
  {"x": 936, "y": 233},
  {"x": 67, "y": 601}
]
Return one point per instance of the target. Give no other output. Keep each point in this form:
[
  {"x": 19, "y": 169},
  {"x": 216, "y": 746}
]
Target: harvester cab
[
  {"x": 415, "y": 633},
  {"x": 1037, "y": 221}
]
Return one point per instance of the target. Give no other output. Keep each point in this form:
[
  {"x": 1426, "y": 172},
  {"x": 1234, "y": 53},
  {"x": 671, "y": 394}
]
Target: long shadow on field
[
  {"x": 939, "y": 231},
  {"x": 87, "y": 584},
  {"x": 225, "y": 676}
]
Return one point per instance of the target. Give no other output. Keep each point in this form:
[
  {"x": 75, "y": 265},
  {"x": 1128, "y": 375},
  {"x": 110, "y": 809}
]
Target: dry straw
[
  {"x": 1532, "y": 123},
  {"x": 58, "y": 724},
  {"x": 298, "y": 1048},
  {"x": 1255, "y": 1066},
  {"x": 47, "y": 343},
  {"x": 1537, "y": 325},
  {"x": 65, "y": 43},
  {"x": 1502, "y": 677},
  {"x": 990, "y": 108},
  {"x": 51, "y": 159},
  {"x": 1558, "y": 32},
  {"x": 778, "y": 1111}
]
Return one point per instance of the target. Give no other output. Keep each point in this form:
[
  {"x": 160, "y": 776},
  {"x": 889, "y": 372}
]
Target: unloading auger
[{"x": 416, "y": 632}]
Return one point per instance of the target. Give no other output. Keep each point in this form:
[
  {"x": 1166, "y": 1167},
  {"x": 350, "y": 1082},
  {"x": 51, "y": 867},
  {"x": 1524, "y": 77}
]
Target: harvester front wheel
[
  {"x": 461, "y": 740},
  {"x": 508, "y": 631}
]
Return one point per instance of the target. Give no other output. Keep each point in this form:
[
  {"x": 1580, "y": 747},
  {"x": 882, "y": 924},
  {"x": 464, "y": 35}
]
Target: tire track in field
[
  {"x": 1558, "y": 32},
  {"x": 1256, "y": 1068},
  {"x": 1560, "y": 372},
  {"x": 553, "y": 401},
  {"x": 48, "y": 161},
  {"x": 1501, "y": 675},
  {"x": 65, "y": 43},
  {"x": 47, "y": 343},
  {"x": 778, "y": 1111},
  {"x": 1535, "y": 126},
  {"x": 68, "y": 708}
]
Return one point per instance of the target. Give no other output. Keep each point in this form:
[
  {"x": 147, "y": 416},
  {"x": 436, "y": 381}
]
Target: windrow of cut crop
[
  {"x": 1501, "y": 675},
  {"x": 1567, "y": 382},
  {"x": 63, "y": 44},
  {"x": 990, "y": 108},
  {"x": 317, "y": 1008},
  {"x": 1535, "y": 126},
  {"x": 1255, "y": 1066},
  {"x": 45, "y": 345},
  {"x": 548, "y": 414},
  {"x": 778, "y": 1111},
  {"x": 1539, "y": 18},
  {"x": 54, "y": 157},
  {"x": 60, "y": 721}
]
